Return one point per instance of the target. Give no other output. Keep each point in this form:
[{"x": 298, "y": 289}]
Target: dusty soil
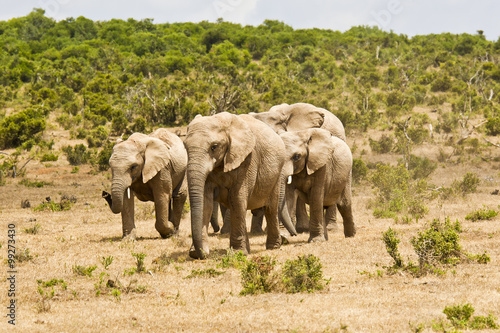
[{"x": 163, "y": 299}]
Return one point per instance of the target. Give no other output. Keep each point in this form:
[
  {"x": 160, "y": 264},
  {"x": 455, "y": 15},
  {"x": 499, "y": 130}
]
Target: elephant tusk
[
  {"x": 128, "y": 192},
  {"x": 289, "y": 181}
]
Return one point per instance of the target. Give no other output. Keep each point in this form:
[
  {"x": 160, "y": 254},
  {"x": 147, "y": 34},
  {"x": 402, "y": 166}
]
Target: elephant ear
[
  {"x": 241, "y": 142},
  {"x": 156, "y": 157},
  {"x": 320, "y": 149},
  {"x": 302, "y": 118}
]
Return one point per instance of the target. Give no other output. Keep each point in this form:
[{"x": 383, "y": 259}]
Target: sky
[{"x": 410, "y": 17}]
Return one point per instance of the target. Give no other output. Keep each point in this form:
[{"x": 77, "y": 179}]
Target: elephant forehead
[{"x": 124, "y": 154}]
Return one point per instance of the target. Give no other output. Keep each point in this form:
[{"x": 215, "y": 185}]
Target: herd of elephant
[{"x": 272, "y": 163}]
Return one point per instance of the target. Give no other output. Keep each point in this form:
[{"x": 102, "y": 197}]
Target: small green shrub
[
  {"x": 35, "y": 183},
  {"x": 467, "y": 185},
  {"x": 421, "y": 167},
  {"x": 140, "y": 267},
  {"x": 460, "y": 316},
  {"x": 396, "y": 192},
  {"x": 232, "y": 259},
  {"x": 209, "y": 273},
  {"x": 23, "y": 255},
  {"x": 481, "y": 215},
  {"x": 77, "y": 155},
  {"x": 49, "y": 157},
  {"x": 257, "y": 277},
  {"x": 107, "y": 261},
  {"x": 65, "y": 204},
  {"x": 391, "y": 244},
  {"x": 382, "y": 146},
  {"x": 83, "y": 270},
  {"x": 359, "y": 170},
  {"x": 493, "y": 126},
  {"x": 33, "y": 230},
  {"x": 440, "y": 244},
  {"x": 303, "y": 274},
  {"x": 102, "y": 159}
]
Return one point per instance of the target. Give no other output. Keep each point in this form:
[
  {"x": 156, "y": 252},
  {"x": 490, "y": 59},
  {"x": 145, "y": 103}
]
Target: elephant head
[
  {"x": 284, "y": 117},
  {"x": 307, "y": 149},
  {"x": 220, "y": 142},
  {"x": 137, "y": 159}
]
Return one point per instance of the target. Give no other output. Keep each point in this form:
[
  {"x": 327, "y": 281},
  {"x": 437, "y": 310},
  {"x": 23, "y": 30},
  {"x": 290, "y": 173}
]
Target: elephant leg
[
  {"x": 238, "y": 237},
  {"x": 162, "y": 209},
  {"x": 257, "y": 221},
  {"x": 273, "y": 232},
  {"x": 331, "y": 218},
  {"x": 226, "y": 220},
  {"x": 128, "y": 220},
  {"x": 345, "y": 209},
  {"x": 302, "y": 217},
  {"x": 214, "y": 218},
  {"x": 178, "y": 200},
  {"x": 317, "y": 228}
]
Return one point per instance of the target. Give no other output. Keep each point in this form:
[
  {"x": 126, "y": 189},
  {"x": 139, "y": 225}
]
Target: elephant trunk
[
  {"x": 283, "y": 209},
  {"x": 196, "y": 185},
  {"x": 117, "y": 193}
]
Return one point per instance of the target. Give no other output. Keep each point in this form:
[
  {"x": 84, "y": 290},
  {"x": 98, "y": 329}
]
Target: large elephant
[
  {"x": 154, "y": 167},
  {"x": 300, "y": 116},
  {"x": 295, "y": 117},
  {"x": 321, "y": 165},
  {"x": 237, "y": 161}
]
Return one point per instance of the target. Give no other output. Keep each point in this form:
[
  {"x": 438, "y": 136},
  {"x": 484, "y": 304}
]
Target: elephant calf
[
  {"x": 154, "y": 167},
  {"x": 321, "y": 166}
]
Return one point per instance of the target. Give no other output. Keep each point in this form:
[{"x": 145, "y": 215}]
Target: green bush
[
  {"x": 391, "y": 244},
  {"x": 493, "y": 126},
  {"x": 77, "y": 155},
  {"x": 102, "y": 159},
  {"x": 396, "y": 192},
  {"x": 303, "y": 274},
  {"x": 460, "y": 316},
  {"x": 97, "y": 137},
  {"x": 440, "y": 244},
  {"x": 49, "y": 157},
  {"x": 421, "y": 167},
  {"x": 257, "y": 277},
  {"x": 481, "y": 214},
  {"x": 467, "y": 185},
  {"x": 359, "y": 170},
  {"x": 382, "y": 146},
  {"x": 21, "y": 127},
  {"x": 84, "y": 270}
]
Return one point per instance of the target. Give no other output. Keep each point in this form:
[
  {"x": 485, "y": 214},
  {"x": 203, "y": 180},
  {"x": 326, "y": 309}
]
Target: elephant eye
[
  {"x": 296, "y": 157},
  {"x": 214, "y": 146},
  {"x": 133, "y": 167}
]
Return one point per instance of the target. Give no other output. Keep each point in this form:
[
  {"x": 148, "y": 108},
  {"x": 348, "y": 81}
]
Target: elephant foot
[
  {"x": 350, "y": 230},
  {"x": 316, "y": 239},
  {"x": 129, "y": 236},
  {"x": 166, "y": 230},
  {"x": 274, "y": 244},
  {"x": 204, "y": 253}
]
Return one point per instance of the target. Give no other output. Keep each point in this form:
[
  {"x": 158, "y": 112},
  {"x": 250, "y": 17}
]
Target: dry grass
[{"x": 353, "y": 301}]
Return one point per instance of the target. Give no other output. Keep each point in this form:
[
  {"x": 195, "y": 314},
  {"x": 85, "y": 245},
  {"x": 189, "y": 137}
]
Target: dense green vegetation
[{"x": 135, "y": 75}]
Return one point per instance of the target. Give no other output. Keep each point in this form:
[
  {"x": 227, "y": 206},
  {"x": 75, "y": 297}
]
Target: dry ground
[{"x": 353, "y": 301}]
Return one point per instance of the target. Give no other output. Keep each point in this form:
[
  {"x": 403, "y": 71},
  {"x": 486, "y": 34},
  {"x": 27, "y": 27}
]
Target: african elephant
[
  {"x": 237, "y": 161},
  {"x": 154, "y": 167},
  {"x": 321, "y": 165},
  {"x": 295, "y": 117}
]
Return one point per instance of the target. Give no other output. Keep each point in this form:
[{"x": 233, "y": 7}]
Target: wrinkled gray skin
[
  {"x": 321, "y": 165},
  {"x": 237, "y": 161},
  {"x": 295, "y": 117},
  {"x": 154, "y": 168}
]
